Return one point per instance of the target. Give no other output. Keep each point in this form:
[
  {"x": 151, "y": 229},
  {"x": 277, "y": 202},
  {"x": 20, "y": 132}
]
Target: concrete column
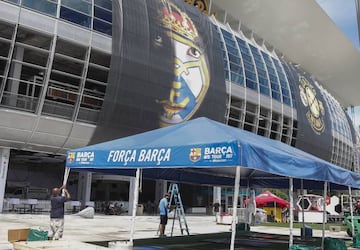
[
  {"x": 13, "y": 87},
  {"x": 131, "y": 194},
  {"x": 217, "y": 195},
  {"x": 4, "y": 163},
  {"x": 84, "y": 187},
  {"x": 160, "y": 189}
]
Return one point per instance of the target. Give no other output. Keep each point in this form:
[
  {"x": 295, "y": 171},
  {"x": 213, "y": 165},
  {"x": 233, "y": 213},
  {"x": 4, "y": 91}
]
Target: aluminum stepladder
[{"x": 179, "y": 213}]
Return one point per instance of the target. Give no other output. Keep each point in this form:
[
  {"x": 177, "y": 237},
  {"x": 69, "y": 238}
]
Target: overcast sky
[{"x": 343, "y": 13}]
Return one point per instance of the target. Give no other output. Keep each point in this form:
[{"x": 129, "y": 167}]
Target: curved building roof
[{"x": 302, "y": 31}]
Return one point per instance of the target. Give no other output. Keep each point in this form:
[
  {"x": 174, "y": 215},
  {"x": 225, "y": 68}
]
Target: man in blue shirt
[
  {"x": 57, "y": 212},
  {"x": 163, "y": 207}
]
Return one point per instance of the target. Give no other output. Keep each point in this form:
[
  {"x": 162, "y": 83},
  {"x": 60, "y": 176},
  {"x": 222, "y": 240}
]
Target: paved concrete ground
[{"x": 114, "y": 228}]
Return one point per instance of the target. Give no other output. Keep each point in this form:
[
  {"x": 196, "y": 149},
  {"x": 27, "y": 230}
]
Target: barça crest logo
[
  {"x": 71, "y": 157},
  {"x": 195, "y": 154}
]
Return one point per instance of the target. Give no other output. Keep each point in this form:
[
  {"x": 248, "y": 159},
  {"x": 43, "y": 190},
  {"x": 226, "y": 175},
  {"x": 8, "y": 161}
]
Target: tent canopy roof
[
  {"x": 203, "y": 143},
  {"x": 266, "y": 197}
]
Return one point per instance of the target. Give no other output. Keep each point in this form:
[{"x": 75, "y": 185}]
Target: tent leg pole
[
  {"x": 66, "y": 176},
  {"x": 324, "y": 215},
  {"x": 235, "y": 201},
  {"x": 291, "y": 208},
  {"x": 351, "y": 212},
  {"x": 302, "y": 208},
  {"x": 135, "y": 201}
]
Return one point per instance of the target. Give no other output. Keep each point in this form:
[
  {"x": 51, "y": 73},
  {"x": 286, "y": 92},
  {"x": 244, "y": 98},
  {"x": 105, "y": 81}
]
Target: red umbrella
[{"x": 267, "y": 197}]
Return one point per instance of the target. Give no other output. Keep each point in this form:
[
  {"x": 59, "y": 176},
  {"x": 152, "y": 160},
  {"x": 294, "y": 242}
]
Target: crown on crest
[{"x": 179, "y": 22}]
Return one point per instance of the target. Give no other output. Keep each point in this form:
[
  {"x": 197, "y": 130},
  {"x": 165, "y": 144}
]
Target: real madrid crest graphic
[{"x": 316, "y": 112}]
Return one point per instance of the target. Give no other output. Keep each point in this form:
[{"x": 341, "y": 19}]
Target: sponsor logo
[
  {"x": 71, "y": 157},
  {"x": 218, "y": 154},
  {"x": 195, "y": 154},
  {"x": 85, "y": 157}
]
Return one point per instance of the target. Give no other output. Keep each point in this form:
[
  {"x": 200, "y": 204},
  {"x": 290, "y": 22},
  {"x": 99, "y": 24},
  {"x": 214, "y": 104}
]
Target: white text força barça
[{"x": 144, "y": 155}]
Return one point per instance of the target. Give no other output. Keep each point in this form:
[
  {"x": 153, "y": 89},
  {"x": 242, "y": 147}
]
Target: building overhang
[{"x": 305, "y": 35}]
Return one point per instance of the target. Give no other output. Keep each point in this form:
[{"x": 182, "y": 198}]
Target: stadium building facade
[{"x": 74, "y": 73}]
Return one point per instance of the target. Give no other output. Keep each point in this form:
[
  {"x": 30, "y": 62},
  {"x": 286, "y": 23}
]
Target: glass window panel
[
  {"x": 43, "y": 6},
  {"x": 75, "y": 17},
  {"x": 225, "y": 63},
  {"x": 100, "y": 58},
  {"x": 68, "y": 66},
  {"x": 247, "y": 58},
  {"x": 79, "y": 5},
  {"x": 226, "y": 33},
  {"x": 103, "y": 14},
  {"x": 13, "y": 1},
  {"x": 64, "y": 81},
  {"x": 262, "y": 73},
  {"x": 233, "y": 58},
  {"x": 251, "y": 84},
  {"x": 97, "y": 74},
  {"x": 249, "y": 66},
  {"x": 59, "y": 103},
  {"x": 271, "y": 70},
  {"x": 264, "y": 90},
  {"x": 237, "y": 78},
  {"x": 276, "y": 95},
  {"x": 2, "y": 67},
  {"x": 91, "y": 102},
  {"x": 33, "y": 38},
  {"x": 6, "y": 30},
  {"x": 28, "y": 73},
  {"x": 232, "y": 50},
  {"x": 263, "y": 81},
  {"x": 285, "y": 92},
  {"x": 235, "y": 67},
  {"x": 273, "y": 79},
  {"x": 70, "y": 49},
  {"x": 94, "y": 89},
  {"x": 250, "y": 75},
  {"x": 286, "y": 100},
  {"x": 4, "y": 48},
  {"x": 227, "y": 75},
  {"x": 33, "y": 56},
  {"x": 240, "y": 41},
  {"x": 107, "y": 4}
]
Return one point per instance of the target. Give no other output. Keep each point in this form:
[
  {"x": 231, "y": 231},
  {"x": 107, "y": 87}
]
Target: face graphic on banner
[{"x": 191, "y": 70}]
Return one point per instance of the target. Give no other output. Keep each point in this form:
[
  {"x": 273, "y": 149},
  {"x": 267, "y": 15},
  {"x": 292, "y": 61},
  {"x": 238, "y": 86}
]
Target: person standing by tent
[
  {"x": 216, "y": 209},
  {"x": 163, "y": 207},
  {"x": 57, "y": 212}
]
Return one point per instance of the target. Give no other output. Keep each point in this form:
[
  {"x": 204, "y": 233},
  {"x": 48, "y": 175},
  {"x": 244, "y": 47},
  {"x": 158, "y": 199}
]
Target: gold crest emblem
[{"x": 316, "y": 112}]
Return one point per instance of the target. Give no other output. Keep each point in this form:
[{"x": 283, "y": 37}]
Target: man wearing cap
[{"x": 163, "y": 207}]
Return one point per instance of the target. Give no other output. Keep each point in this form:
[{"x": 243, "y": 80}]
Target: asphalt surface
[{"x": 205, "y": 233}]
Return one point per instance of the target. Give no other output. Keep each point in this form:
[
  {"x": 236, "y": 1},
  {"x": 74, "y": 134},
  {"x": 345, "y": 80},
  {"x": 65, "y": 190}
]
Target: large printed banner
[
  {"x": 314, "y": 125},
  {"x": 206, "y": 155},
  {"x": 166, "y": 68}
]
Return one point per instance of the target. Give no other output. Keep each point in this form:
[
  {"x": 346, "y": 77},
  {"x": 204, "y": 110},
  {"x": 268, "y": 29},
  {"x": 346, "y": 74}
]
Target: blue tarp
[{"x": 203, "y": 143}]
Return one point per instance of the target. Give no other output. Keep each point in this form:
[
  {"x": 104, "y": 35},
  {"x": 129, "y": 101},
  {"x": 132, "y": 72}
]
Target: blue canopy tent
[{"x": 203, "y": 143}]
